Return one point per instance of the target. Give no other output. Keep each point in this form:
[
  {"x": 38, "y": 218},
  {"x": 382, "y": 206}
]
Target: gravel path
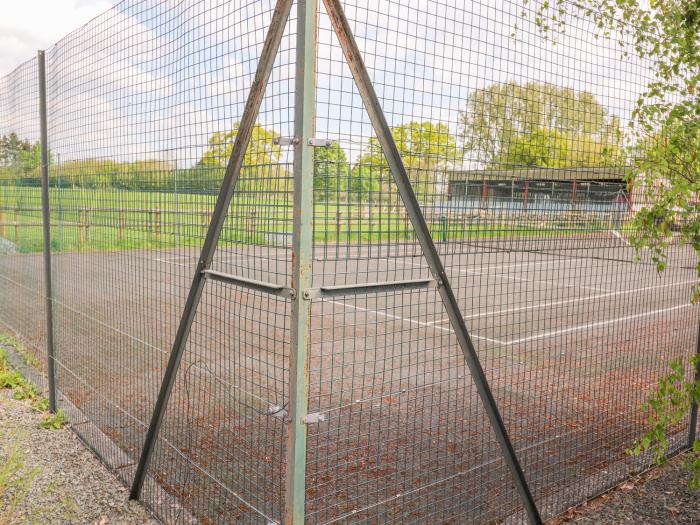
[
  {"x": 53, "y": 477},
  {"x": 659, "y": 497}
]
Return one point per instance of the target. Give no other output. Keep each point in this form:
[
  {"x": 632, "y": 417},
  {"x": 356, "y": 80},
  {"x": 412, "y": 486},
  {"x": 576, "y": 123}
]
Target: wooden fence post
[
  {"x": 338, "y": 221},
  {"x": 250, "y": 227},
  {"x": 81, "y": 218},
  {"x": 17, "y": 219},
  {"x": 121, "y": 224}
]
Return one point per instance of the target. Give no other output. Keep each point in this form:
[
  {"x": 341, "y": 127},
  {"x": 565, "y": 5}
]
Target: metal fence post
[
  {"x": 46, "y": 217},
  {"x": 692, "y": 431},
  {"x": 302, "y": 271},
  {"x": 398, "y": 170},
  {"x": 233, "y": 170}
]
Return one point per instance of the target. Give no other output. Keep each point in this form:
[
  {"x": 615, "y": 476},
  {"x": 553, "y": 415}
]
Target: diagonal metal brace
[
  {"x": 233, "y": 170},
  {"x": 374, "y": 110}
]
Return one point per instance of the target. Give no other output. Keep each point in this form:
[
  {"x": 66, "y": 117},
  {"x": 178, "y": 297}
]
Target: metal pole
[
  {"x": 46, "y": 220},
  {"x": 692, "y": 431},
  {"x": 398, "y": 170},
  {"x": 233, "y": 169},
  {"x": 302, "y": 260}
]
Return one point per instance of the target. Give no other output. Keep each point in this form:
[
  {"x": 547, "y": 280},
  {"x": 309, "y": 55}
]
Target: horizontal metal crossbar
[
  {"x": 364, "y": 288},
  {"x": 253, "y": 284}
]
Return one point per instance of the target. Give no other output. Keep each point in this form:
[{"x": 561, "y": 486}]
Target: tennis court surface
[{"x": 572, "y": 332}]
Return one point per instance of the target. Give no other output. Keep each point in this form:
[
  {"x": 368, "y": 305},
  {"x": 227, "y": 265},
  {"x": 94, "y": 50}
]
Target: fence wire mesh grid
[{"x": 516, "y": 148}]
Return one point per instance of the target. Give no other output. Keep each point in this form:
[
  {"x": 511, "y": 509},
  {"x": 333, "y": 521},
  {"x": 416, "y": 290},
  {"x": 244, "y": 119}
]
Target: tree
[
  {"x": 107, "y": 173},
  {"x": 331, "y": 171},
  {"x": 502, "y": 121},
  {"x": 666, "y": 121},
  {"x": 550, "y": 148},
  {"x": 363, "y": 183},
  {"x": 12, "y": 149},
  {"x": 427, "y": 149},
  {"x": 19, "y": 157},
  {"x": 261, "y": 167}
]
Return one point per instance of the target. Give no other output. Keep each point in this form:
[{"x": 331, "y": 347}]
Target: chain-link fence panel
[{"x": 233, "y": 235}]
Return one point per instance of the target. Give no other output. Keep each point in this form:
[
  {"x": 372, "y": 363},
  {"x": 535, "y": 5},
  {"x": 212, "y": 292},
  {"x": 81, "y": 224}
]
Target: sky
[
  {"x": 156, "y": 79},
  {"x": 29, "y": 25}
]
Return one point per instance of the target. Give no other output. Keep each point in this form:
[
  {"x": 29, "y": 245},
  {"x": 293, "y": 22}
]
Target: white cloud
[
  {"x": 28, "y": 25},
  {"x": 160, "y": 79}
]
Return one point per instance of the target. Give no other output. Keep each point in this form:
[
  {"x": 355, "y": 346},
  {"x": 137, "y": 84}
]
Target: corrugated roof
[{"x": 561, "y": 174}]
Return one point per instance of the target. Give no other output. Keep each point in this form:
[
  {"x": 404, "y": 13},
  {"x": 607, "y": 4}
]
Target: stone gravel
[
  {"x": 659, "y": 497},
  {"x": 69, "y": 485}
]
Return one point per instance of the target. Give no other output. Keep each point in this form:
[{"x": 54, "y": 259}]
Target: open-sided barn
[{"x": 545, "y": 189}]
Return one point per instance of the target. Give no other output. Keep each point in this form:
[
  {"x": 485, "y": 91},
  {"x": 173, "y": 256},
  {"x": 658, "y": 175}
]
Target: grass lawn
[{"x": 85, "y": 219}]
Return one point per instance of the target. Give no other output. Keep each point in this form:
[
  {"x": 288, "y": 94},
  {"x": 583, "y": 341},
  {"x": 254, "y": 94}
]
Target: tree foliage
[
  {"x": 261, "y": 148},
  {"x": 666, "y": 121},
  {"x": 539, "y": 124},
  {"x": 550, "y": 148},
  {"x": 331, "y": 171},
  {"x": 261, "y": 164},
  {"x": 427, "y": 149},
  {"x": 106, "y": 173},
  {"x": 19, "y": 158}
]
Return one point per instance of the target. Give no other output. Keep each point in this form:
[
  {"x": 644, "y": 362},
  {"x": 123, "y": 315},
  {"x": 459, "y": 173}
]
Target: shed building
[{"x": 545, "y": 189}]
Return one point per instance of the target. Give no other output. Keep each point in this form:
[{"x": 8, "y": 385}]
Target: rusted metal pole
[{"x": 302, "y": 257}]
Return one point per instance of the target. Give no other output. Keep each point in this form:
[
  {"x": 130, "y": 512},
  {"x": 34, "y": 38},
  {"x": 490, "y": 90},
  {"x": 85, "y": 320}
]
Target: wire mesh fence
[
  {"x": 22, "y": 279},
  {"x": 317, "y": 287}
]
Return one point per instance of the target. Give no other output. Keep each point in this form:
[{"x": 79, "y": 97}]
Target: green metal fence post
[
  {"x": 302, "y": 246},
  {"x": 46, "y": 218}
]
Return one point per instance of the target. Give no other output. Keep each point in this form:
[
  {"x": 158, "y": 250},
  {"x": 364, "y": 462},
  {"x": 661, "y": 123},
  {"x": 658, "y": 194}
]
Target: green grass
[
  {"x": 109, "y": 219},
  {"x": 54, "y": 421},
  {"x": 16, "y": 478},
  {"x": 26, "y": 355},
  {"x": 14, "y": 380}
]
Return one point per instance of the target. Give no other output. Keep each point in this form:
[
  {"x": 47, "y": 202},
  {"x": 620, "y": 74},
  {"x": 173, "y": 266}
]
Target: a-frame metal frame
[
  {"x": 233, "y": 171},
  {"x": 301, "y": 292}
]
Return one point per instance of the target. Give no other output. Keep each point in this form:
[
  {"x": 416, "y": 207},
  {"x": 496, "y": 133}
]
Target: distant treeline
[
  {"x": 514, "y": 125},
  {"x": 145, "y": 175}
]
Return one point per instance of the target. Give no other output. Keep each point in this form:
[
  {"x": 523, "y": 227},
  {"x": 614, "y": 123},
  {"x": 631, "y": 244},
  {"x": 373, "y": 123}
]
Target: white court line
[
  {"x": 593, "y": 325},
  {"x": 501, "y": 276},
  {"x": 194, "y": 258},
  {"x": 170, "y": 260},
  {"x": 617, "y": 234},
  {"x": 572, "y": 300},
  {"x": 532, "y": 263},
  {"x": 540, "y": 281},
  {"x": 511, "y": 342},
  {"x": 433, "y": 324},
  {"x": 406, "y": 319}
]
